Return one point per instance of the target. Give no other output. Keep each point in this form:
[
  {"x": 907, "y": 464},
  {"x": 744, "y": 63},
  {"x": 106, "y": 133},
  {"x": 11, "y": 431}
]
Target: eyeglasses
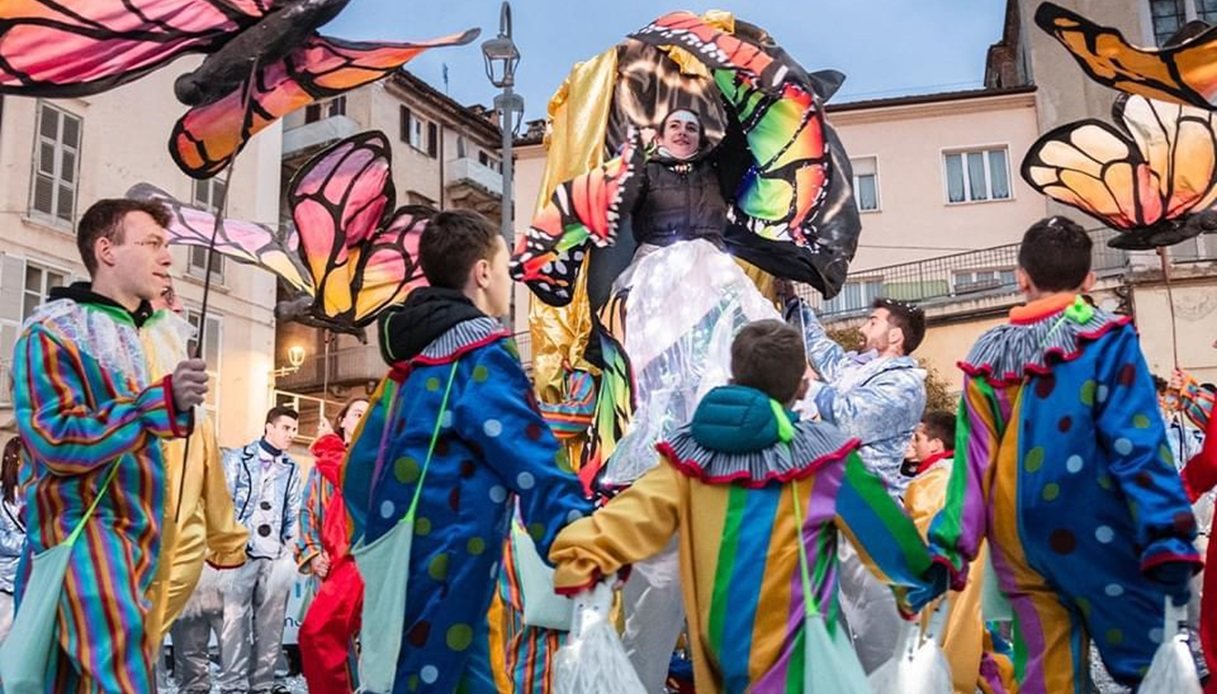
[{"x": 157, "y": 245}]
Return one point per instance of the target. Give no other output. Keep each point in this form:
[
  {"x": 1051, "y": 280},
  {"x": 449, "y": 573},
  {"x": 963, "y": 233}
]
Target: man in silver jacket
[
  {"x": 266, "y": 486},
  {"x": 876, "y": 395}
]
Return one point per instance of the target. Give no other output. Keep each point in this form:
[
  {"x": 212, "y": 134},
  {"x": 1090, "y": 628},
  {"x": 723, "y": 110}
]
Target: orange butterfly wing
[
  {"x": 1184, "y": 74},
  {"x": 1158, "y": 166},
  {"x": 207, "y": 137}
]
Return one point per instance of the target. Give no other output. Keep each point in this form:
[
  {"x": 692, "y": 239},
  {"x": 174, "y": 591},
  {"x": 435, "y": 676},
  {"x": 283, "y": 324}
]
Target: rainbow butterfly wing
[
  {"x": 781, "y": 119},
  {"x": 715, "y": 48},
  {"x": 1157, "y": 167},
  {"x": 1185, "y": 74},
  {"x": 65, "y": 48},
  {"x": 244, "y": 242},
  {"x": 583, "y": 211},
  {"x": 207, "y": 137}
]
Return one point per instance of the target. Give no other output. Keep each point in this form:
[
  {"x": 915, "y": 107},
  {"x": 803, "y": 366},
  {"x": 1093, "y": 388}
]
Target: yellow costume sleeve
[
  {"x": 633, "y": 526},
  {"x": 226, "y": 539},
  {"x": 925, "y": 496}
]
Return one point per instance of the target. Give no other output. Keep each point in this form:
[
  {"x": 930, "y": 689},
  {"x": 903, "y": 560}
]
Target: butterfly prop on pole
[
  {"x": 264, "y": 60},
  {"x": 1152, "y": 176},
  {"x": 1182, "y": 71},
  {"x": 349, "y": 254}
]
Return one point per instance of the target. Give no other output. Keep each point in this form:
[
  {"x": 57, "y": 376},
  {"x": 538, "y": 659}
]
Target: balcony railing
[
  {"x": 470, "y": 172},
  {"x": 961, "y": 276},
  {"x": 313, "y": 135}
]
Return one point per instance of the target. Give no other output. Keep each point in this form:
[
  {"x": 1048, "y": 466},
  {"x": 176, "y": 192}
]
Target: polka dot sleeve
[
  {"x": 497, "y": 412},
  {"x": 1134, "y": 437}
]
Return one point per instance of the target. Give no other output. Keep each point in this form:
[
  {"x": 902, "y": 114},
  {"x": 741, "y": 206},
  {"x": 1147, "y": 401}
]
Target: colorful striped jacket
[
  {"x": 84, "y": 401},
  {"x": 734, "y": 514}
]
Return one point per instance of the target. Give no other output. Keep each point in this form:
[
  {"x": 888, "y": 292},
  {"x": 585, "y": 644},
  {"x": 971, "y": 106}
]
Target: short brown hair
[
  {"x": 910, "y": 318},
  {"x": 104, "y": 219},
  {"x": 940, "y": 424},
  {"x": 278, "y": 411},
  {"x": 770, "y": 356},
  {"x": 452, "y": 243}
]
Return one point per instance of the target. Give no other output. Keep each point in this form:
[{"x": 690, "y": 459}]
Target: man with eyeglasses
[
  {"x": 876, "y": 395},
  {"x": 93, "y": 416}
]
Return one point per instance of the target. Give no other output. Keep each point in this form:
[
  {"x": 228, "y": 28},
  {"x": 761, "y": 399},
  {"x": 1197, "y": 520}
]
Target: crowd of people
[{"x": 815, "y": 481}]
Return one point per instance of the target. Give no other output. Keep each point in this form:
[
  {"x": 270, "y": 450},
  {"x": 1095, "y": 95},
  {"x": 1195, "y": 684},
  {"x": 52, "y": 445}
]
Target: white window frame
[
  {"x": 215, "y": 326},
  {"x": 956, "y": 275},
  {"x": 196, "y": 256},
  {"x": 418, "y": 132},
  {"x": 57, "y": 179},
  {"x": 856, "y": 178},
  {"x": 44, "y": 290},
  {"x": 833, "y": 306},
  {"x": 967, "y": 188}
]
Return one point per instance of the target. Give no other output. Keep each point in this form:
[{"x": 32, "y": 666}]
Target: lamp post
[{"x": 502, "y": 56}]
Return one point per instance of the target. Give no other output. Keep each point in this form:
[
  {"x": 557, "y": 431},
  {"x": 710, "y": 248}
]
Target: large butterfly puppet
[
  {"x": 348, "y": 254},
  {"x": 1183, "y": 71},
  {"x": 264, "y": 60},
  {"x": 1153, "y": 175}
]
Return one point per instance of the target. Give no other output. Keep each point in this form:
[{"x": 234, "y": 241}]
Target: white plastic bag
[
  {"x": 919, "y": 666},
  {"x": 1172, "y": 671},
  {"x": 593, "y": 661}
]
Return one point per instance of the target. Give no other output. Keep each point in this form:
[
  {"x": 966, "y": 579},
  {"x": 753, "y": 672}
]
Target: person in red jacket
[
  {"x": 1199, "y": 478},
  {"x": 332, "y": 619}
]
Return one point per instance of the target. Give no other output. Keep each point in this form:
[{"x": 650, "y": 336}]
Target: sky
[{"x": 885, "y": 47}]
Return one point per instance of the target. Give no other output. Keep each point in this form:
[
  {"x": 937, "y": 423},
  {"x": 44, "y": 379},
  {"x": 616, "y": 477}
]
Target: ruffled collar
[
  {"x": 1052, "y": 330},
  {"x": 813, "y": 446}
]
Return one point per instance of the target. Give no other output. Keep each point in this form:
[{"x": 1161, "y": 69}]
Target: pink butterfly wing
[
  {"x": 389, "y": 269},
  {"x": 244, "y": 242},
  {"x": 338, "y": 200},
  {"x": 62, "y": 48},
  {"x": 207, "y": 137}
]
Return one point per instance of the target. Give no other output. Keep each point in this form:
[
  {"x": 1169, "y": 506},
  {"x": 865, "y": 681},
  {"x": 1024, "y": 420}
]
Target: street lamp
[
  {"x": 502, "y": 56},
  {"x": 295, "y": 359}
]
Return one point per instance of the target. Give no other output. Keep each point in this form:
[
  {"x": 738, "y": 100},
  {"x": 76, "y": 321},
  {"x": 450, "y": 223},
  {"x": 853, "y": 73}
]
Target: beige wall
[
  {"x": 124, "y": 142},
  {"x": 915, "y": 221},
  {"x": 1195, "y": 318}
]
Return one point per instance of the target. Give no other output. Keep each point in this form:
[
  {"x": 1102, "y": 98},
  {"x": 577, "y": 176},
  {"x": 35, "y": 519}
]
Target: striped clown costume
[
  {"x": 1062, "y": 465},
  {"x": 84, "y": 401}
]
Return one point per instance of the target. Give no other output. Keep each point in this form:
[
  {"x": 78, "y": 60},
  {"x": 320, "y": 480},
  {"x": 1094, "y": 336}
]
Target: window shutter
[
  {"x": 12, "y": 287},
  {"x": 432, "y": 140},
  {"x": 405, "y": 125}
]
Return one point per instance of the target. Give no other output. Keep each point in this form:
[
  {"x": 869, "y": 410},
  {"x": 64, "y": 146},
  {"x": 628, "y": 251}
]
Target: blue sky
[{"x": 885, "y": 47}]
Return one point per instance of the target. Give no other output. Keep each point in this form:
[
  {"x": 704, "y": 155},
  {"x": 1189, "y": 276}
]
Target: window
[
  {"x": 1206, "y": 11},
  {"x": 1169, "y": 16},
  {"x": 56, "y": 164},
  {"x": 209, "y": 194},
  {"x": 211, "y": 354},
  {"x": 866, "y": 183},
  {"x": 489, "y": 161},
  {"x": 977, "y": 175},
  {"x": 325, "y": 109},
  {"x": 460, "y": 147},
  {"x": 855, "y": 296},
  {"x": 39, "y": 281},
  {"x": 979, "y": 280}
]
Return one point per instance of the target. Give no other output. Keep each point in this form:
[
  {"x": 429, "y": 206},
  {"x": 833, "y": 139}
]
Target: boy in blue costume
[
  {"x": 493, "y": 446},
  {"x": 1062, "y": 465}
]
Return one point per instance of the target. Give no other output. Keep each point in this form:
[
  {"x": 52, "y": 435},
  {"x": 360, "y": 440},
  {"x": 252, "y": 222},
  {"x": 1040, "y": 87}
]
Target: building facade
[
  {"x": 445, "y": 156},
  {"x": 57, "y": 157}
]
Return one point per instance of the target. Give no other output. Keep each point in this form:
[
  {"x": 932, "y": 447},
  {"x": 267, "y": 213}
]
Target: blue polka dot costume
[
  {"x": 493, "y": 447},
  {"x": 1067, "y": 473}
]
